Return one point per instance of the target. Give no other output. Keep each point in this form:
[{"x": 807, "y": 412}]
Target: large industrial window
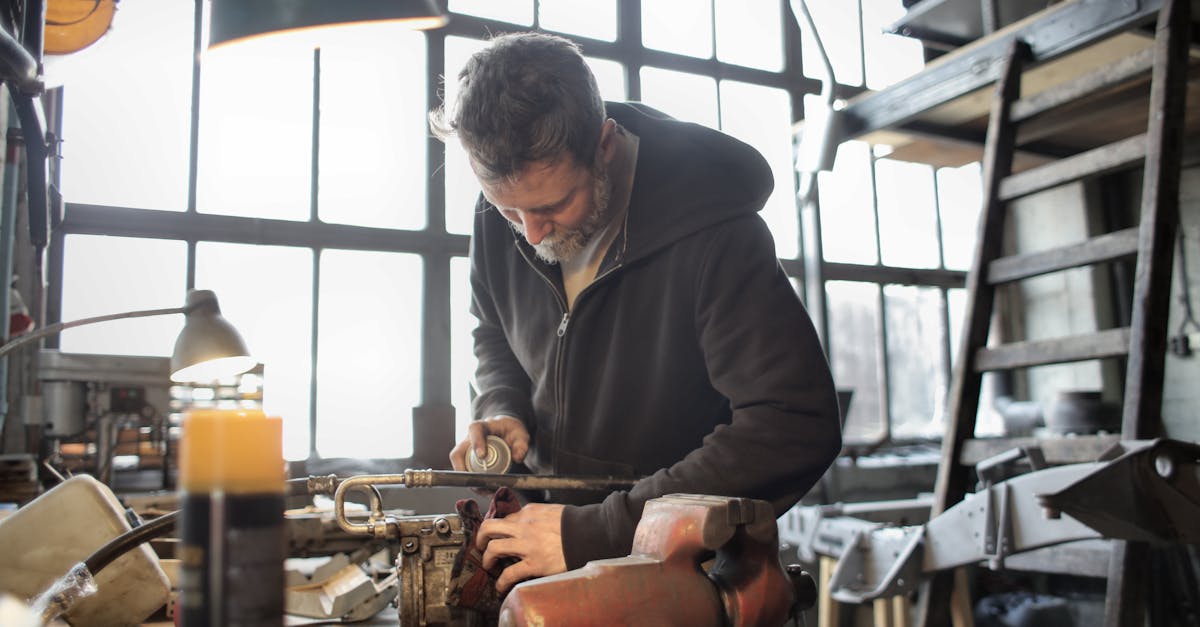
[
  {"x": 896, "y": 240},
  {"x": 303, "y": 188}
]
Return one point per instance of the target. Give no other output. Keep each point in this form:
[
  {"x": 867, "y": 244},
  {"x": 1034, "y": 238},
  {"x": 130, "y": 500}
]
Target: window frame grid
[{"x": 433, "y": 423}]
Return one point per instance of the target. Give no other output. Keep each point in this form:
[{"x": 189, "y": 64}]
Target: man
[{"x": 633, "y": 317}]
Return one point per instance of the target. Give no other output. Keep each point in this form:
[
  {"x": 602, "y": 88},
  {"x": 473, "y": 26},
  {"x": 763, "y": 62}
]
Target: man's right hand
[{"x": 509, "y": 429}]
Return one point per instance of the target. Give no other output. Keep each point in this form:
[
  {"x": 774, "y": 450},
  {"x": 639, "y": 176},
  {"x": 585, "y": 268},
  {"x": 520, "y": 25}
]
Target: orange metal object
[
  {"x": 72, "y": 25},
  {"x": 662, "y": 582}
]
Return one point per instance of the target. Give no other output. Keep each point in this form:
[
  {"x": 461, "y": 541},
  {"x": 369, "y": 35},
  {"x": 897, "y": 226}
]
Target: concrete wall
[
  {"x": 1181, "y": 389},
  {"x": 1079, "y": 300}
]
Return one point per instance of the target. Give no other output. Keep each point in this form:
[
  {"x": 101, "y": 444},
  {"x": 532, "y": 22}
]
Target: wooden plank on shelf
[
  {"x": 1059, "y": 31},
  {"x": 1105, "y": 77},
  {"x": 969, "y": 112},
  {"x": 1045, "y": 77}
]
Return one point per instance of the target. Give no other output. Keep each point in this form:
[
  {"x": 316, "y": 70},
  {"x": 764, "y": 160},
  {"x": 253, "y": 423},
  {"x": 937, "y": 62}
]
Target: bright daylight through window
[{"x": 332, "y": 225}]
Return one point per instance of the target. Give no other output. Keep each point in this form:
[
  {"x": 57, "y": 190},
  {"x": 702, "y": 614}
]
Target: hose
[{"x": 125, "y": 542}]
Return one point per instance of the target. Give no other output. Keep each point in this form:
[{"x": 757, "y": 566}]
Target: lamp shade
[
  {"x": 234, "y": 20},
  {"x": 208, "y": 348}
]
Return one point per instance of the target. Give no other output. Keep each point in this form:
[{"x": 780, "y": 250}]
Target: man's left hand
[{"x": 532, "y": 535}]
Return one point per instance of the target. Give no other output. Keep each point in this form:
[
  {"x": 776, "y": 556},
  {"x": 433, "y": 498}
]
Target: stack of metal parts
[{"x": 18, "y": 479}]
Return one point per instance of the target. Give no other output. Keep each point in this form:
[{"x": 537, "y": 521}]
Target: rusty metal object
[
  {"x": 662, "y": 583},
  {"x": 428, "y": 545}
]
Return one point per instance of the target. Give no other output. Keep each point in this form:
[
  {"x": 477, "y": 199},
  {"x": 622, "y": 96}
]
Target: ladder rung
[
  {"x": 1097, "y": 161},
  {"x": 1105, "y": 247},
  {"x": 1090, "y": 83},
  {"x": 1107, "y": 343}
]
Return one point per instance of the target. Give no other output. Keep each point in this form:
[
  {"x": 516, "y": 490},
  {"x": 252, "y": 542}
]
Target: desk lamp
[{"x": 208, "y": 347}]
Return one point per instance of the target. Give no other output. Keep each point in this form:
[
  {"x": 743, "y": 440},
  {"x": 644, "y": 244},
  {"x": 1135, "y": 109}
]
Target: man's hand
[
  {"x": 511, "y": 430},
  {"x": 532, "y": 535}
]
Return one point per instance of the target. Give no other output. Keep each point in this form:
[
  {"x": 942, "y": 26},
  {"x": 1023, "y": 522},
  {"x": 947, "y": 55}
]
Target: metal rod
[
  {"x": 61, "y": 326},
  {"x": 453, "y": 478}
]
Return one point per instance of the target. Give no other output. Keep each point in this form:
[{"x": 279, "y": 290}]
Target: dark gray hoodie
[{"x": 689, "y": 360}]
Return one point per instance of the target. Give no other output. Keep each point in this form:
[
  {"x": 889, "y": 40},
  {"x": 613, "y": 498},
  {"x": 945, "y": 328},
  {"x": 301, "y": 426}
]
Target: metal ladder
[{"x": 1143, "y": 343}]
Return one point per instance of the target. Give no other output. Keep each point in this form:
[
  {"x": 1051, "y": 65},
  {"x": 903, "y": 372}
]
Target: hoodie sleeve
[
  {"x": 762, "y": 353},
  {"x": 502, "y": 387}
]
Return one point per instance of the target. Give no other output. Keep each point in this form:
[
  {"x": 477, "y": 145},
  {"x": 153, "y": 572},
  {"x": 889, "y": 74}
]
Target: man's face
[{"x": 558, "y": 206}]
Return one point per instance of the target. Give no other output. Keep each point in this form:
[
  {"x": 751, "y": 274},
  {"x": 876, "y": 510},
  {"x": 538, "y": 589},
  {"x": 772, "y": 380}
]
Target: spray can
[
  {"x": 497, "y": 460},
  {"x": 232, "y": 476}
]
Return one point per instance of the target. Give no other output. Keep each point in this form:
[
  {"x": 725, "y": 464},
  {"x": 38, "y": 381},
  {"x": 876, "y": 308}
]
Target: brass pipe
[{"x": 377, "y": 525}]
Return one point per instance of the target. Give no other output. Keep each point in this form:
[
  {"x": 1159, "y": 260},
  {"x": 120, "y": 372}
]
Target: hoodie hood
[{"x": 700, "y": 177}]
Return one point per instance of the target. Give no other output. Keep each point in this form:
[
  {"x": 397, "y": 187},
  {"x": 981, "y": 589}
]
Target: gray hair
[{"x": 527, "y": 97}]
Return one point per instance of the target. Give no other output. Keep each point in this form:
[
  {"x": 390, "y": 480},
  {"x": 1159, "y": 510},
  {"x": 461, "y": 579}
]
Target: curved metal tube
[
  {"x": 51, "y": 329},
  {"x": 17, "y": 65},
  {"x": 368, "y": 483}
]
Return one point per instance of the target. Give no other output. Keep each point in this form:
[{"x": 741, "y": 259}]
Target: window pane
[
  {"x": 837, "y": 24},
  {"x": 105, "y": 275},
  {"x": 907, "y": 216},
  {"x": 596, "y": 19},
  {"x": 681, "y": 26},
  {"x": 462, "y": 190},
  {"x": 610, "y": 78},
  {"x": 373, "y": 131},
  {"x": 126, "y": 137},
  {"x": 889, "y": 58},
  {"x": 369, "y": 353},
  {"x": 462, "y": 346},
  {"x": 266, "y": 292},
  {"x": 854, "y": 354},
  {"x": 959, "y": 199},
  {"x": 750, "y": 33},
  {"x": 684, "y": 96},
  {"x": 762, "y": 117},
  {"x": 916, "y": 369},
  {"x": 847, "y": 211},
  {"x": 513, "y": 11},
  {"x": 255, "y": 153}
]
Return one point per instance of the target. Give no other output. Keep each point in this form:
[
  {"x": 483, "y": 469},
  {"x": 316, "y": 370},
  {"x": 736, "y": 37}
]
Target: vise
[
  {"x": 663, "y": 581},
  {"x": 696, "y": 560}
]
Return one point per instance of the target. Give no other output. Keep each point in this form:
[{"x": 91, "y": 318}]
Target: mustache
[{"x": 563, "y": 244}]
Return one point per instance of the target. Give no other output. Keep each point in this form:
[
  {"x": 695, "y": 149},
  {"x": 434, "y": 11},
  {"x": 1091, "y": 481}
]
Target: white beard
[{"x": 565, "y": 244}]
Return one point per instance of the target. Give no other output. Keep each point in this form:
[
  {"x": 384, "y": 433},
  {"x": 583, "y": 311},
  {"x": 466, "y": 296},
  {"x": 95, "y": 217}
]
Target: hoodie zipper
[
  {"x": 560, "y": 378},
  {"x": 560, "y": 375},
  {"x": 558, "y": 350}
]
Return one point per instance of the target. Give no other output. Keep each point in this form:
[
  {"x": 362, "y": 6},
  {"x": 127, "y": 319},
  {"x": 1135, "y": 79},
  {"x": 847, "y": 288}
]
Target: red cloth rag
[{"x": 471, "y": 585}]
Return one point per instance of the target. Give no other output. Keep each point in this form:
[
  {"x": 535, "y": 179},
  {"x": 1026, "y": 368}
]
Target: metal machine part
[
  {"x": 1145, "y": 490},
  {"x": 1149, "y": 491},
  {"x": 383, "y": 525},
  {"x": 662, "y": 583},
  {"x": 98, "y": 407},
  {"x": 828, "y": 529},
  {"x": 429, "y": 544},
  {"x": 498, "y": 459},
  {"x": 313, "y": 532},
  {"x": 346, "y": 588}
]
